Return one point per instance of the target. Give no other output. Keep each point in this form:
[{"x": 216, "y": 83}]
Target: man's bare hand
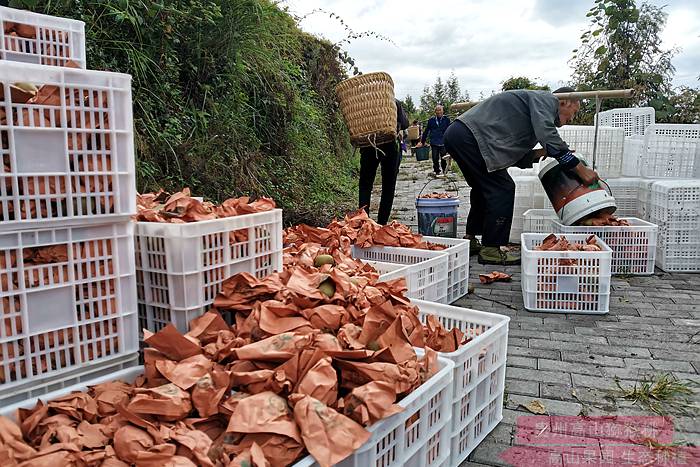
[{"x": 586, "y": 175}]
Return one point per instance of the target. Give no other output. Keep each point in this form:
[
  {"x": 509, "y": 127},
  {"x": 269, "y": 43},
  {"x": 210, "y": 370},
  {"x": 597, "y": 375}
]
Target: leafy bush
[{"x": 230, "y": 98}]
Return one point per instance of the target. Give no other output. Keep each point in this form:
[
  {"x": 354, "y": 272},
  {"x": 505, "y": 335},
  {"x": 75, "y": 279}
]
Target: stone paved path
[{"x": 570, "y": 363}]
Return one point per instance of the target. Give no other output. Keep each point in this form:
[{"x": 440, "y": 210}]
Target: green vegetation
[
  {"x": 661, "y": 393},
  {"x": 522, "y": 82},
  {"x": 623, "y": 49},
  {"x": 230, "y": 98}
]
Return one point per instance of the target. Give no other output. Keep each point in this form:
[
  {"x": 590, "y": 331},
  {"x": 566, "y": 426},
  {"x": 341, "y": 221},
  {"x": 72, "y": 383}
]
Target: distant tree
[
  {"x": 522, "y": 82},
  {"x": 408, "y": 105},
  {"x": 454, "y": 91},
  {"x": 683, "y": 106},
  {"x": 621, "y": 50},
  {"x": 442, "y": 93}
]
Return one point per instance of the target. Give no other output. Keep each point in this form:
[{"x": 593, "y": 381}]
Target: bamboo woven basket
[
  {"x": 368, "y": 107},
  {"x": 413, "y": 132}
]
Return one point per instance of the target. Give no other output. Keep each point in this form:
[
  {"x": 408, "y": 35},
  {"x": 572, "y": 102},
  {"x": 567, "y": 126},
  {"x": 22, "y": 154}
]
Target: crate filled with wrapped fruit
[
  {"x": 66, "y": 142},
  {"x": 633, "y": 241},
  {"x": 570, "y": 273},
  {"x": 186, "y": 248},
  {"x": 68, "y": 306},
  {"x": 41, "y": 39}
]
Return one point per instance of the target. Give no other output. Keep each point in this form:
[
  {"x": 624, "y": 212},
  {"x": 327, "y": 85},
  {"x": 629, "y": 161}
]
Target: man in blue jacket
[
  {"x": 498, "y": 133},
  {"x": 436, "y": 130}
]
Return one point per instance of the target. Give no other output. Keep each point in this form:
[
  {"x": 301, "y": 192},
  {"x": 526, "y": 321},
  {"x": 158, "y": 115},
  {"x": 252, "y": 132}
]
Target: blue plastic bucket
[{"x": 437, "y": 217}]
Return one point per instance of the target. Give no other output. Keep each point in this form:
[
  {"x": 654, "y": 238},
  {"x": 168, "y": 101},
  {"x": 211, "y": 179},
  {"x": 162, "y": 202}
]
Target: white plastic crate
[
  {"x": 626, "y": 194},
  {"x": 69, "y": 162},
  {"x": 388, "y": 271},
  {"x": 644, "y": 207},
  {"x": 679, "y": 258},
  {"x": 529, "y": 194},
  {"x": 59, "y": 316},
  {"x": 671, "y": 151},
  {"x": 416, "y": 437},
  {"x": 457, "y": 265},
  {"x": 51, "y": 388},
  {"x": 565, "y": 281},
  {"x": 426, "y": 275},
  {"x": 633, "y": 246},
  {"x": 632, "y": 156},
  {"x": 55, "y": 40},
  {"x": 608, "y": 162},
  {"x": 669, "y": 199},
  {"x": 479, "y": 374},
  {"x": 633, "y": 120},
  {"x": 539, "y": 220},
  {"x": 181, "y": 266},
  {"x": 419, "y": 436}
]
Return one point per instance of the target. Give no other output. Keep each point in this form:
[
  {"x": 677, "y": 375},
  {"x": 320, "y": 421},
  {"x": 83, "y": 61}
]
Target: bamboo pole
[{"x": 602, "y": 94}]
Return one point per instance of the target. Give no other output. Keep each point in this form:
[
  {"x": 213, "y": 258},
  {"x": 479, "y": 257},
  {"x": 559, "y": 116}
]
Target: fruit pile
[
  {"x": 601, "y": 219},
  {"x": 358, "y": 229},
  {"x": 181, "y": 207},
  {"x": 315, "y": 354},
  {"x": 435, "y": 195}
]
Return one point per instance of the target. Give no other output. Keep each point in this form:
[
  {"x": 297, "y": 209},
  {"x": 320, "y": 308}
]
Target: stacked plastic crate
[
  {"x": 674, "y": 205},
  {"x": 529, "y": 194},
  {"x": 67, "y": 189}
]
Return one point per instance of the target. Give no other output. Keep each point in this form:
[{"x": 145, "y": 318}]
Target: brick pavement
[{"x": 570, "y": 363}]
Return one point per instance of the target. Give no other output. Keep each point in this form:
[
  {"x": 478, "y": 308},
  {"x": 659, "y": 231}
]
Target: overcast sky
[{"x": 482, "y": 41}]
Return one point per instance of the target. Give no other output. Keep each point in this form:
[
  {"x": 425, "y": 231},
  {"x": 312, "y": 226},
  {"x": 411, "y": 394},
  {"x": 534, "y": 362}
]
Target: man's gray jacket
[{"x": 507, "y": 126}]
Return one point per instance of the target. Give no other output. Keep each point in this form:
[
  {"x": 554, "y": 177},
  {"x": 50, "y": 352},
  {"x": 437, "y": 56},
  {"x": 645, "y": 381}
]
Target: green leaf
[
  {"x": 597, "y": 32},
  {"x": 601, "y": 50}
]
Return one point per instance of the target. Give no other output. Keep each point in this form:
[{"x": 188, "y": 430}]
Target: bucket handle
[{"x": 434, "y": 179}]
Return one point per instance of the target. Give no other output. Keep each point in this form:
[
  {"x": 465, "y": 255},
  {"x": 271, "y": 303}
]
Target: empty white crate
[
  {"x": 671, "y": 151},
  {"x": 426, "y": 276},
  {"x": 633, "y": 120},
  {"x": 633, "y": 246},
  {"x": 608, "y": 161},
  {"x": 565, "y": 281},
  {"x": 539, "y": 220},
  {"x": 675, "y": 206},
  {"x": 59, "y": 316},
  {"x": 671, "y": 198},
  {"x": 181, "y": 266},
  {"x": 457, "y": 265},
  {"x": 632, "y": 156},
  {"x": 479, "y": 373},
  {"x": 529, "y": 194},
  {"x": 70, "y": 162},
  {"x": 626, "y": 194},
  {"x": 51, "y": 40}
]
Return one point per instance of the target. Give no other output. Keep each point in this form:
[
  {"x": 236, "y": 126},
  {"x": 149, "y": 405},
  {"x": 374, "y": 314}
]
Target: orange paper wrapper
[
  {"x": 371, "y": 402},
  {"x": 172, "y": 344},
  {"x": 320, "y": 382},
  {"x": 328, "y": 435},
  {"x": 185, "y": 373},
  {"x": 264, "y": 413},
  {"x": 494, "y": 276},
  {"x": 167, "y": 402}
]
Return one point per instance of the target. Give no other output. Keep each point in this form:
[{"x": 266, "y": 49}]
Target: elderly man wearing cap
[{"x": 498, "y": 133}]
